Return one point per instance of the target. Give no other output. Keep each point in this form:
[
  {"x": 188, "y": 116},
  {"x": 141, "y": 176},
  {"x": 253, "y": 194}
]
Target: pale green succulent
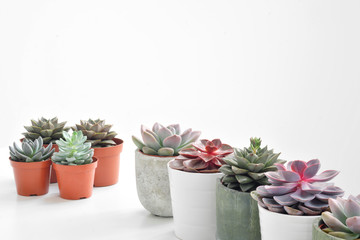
[
  {"x": 49, "y": 129},
  {"x": 31, "y": 151},
  {"x": 74, "y": 150},
  {"x": 165, "y": 141}
]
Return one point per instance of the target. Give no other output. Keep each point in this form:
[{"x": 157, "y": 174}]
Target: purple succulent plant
[
  {"x": 297, "y": 190},
  {"x": 344, "y": 219}
]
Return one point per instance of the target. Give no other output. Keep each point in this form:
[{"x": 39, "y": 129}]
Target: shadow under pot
[
  {"x": 284, "y": 227},
  {"x": 318, "y": 233},
  {"x": 75, "y": 181},
  {"x": 237, "y": 215},
  {"x": 152, "y": 183},
  {"x": 31, "y": 178},
  {"x": 108, "y": 165},
  {"x": 193, "y": 198}
]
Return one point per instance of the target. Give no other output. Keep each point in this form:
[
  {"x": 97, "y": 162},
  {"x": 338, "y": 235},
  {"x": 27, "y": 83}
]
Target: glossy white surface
[
  {"x": 284, "y": 227},
  {"x": 193, "y": 197},
  {"x": 112, "y": 213}
]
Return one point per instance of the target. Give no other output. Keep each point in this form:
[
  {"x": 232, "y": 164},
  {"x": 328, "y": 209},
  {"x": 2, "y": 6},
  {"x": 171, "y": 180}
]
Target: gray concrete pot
[
  {"x": 152, "y": 183},
  {"x": 237, "y": 215},
  {"x": 318, "y": 234}
]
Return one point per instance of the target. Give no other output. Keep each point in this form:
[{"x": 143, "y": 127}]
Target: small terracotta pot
[
  {"x": 52, "y": 171},
  {"x": 31, "y": 178},
  {"x": 107, "y": 171},
  {"x": 75, "y": 182}
]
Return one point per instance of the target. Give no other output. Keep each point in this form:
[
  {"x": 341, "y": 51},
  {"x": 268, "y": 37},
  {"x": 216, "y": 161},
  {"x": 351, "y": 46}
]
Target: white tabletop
[{"x": 112, "y": 212}]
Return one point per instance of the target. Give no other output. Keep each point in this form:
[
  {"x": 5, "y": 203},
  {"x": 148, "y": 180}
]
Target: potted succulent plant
[
  {"x": 193, "y": 177},
  {"x": 75, "y": 166},
  {"x": 50, "y": 130},
  {"x": 237, "y": 214},
  {"x": 343, "y": 222},
  {"x": 159, "y": 146},
  {"x": 107, "y": 150},
  {"x": 31, "y": 163},
  {"x": 294, "y": 199}
]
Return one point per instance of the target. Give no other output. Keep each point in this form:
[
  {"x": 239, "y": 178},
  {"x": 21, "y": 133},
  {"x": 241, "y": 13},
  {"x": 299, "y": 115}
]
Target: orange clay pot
[
  {"x": 75, "y": 182},
  {"x": 31, "y": 178},
  {"x": 107, "y": 171},
  {"x": 52, "y": 171}
]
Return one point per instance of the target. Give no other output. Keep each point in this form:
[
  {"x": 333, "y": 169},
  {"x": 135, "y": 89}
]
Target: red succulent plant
[{"x": 207, "y": 157}]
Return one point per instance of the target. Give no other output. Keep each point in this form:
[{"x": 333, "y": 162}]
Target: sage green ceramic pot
[
  {"x": 237, "y": 215},
  {"x": 318, "y": 234}
]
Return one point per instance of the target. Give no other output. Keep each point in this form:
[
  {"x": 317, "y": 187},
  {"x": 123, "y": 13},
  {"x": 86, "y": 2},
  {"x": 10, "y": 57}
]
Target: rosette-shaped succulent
[
  {"x": 297, "y": 190},
  {"x": 245, "y": 170},
  {"x": 165, "y": 141},
  {"x": 74, "y": 150},
  {"x": 97, "y": 132},
  {"x": 207, "y": 157},
  {"x": 344, "y": 219},
  {"x": 49, "y": 129},
  {"x": 31, "y": 151}
]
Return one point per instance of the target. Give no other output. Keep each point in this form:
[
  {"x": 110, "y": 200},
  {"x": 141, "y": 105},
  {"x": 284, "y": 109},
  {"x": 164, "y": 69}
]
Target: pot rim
[
  {"x": 109, "y": 147},
  {"x": 95, "y": 159},
  {"x": 287, "y": 215},
  {"x": 229, "y": 189},
  {"x": 317, "y": 229},
  {"x": 197, "y": 173},
  {"x": 19, "y": 164}
]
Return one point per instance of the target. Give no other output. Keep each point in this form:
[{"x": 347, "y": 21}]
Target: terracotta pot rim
[
  {"x": 198, "y": 173},
  {"x": 155, "y": 156},
  {"x": 287, "y": 215},
  {"x": 221, "y": 185},
  {"x": 43, "y": 163},
  {"x": 109, "y": 147},
  {"x": 95, "y": 159}
]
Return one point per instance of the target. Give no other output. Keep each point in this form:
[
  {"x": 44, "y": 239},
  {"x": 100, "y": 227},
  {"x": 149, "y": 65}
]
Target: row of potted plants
[
  {"x": 88, "y": 157},
  {"x": 215, "y": 191}
]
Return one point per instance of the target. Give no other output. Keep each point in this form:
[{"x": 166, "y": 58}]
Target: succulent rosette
[
  {"x": 297, "y": 190},
  {"x": 165, "y": 141},
  {"x": 344, "y": 219},
  {"x": 207, "y": 157}
]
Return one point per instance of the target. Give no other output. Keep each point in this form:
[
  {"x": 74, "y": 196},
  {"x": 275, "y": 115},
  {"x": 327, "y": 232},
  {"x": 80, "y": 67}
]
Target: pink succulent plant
[
  {"x": 207, "y": 157},
  {"x": 297, "y": 190}
]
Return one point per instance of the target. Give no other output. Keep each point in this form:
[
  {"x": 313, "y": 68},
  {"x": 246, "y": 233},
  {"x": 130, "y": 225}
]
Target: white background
[{"x": 287, "y": 71}]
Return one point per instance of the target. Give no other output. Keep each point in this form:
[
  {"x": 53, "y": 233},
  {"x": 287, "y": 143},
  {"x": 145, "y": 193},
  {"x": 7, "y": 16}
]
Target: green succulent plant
[
  {"x": 245, "y": 169},
  {"x": 49, "y": 129},
  {"x": 74, "y": 150},
  {"x": 31, "y": 151},
  {"x": 165, "y": 141},
  {"x": 97, "y": 132}
]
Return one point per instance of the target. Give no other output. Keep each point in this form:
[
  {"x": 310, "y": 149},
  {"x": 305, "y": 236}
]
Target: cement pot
[
  {"x": 318, "y": 234},
  {"x": 193, "y": 197},
  {"x": 237, "y": 215},
  {"x": 284, "y": 227},
  {"x": 152, "y": 183}
]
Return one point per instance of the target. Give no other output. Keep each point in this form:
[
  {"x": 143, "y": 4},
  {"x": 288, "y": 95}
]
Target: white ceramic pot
[
  {"x": 284, "y": 227},
  {"x": 152, "y": 183},
  {"x": 193, "y": 197}
]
